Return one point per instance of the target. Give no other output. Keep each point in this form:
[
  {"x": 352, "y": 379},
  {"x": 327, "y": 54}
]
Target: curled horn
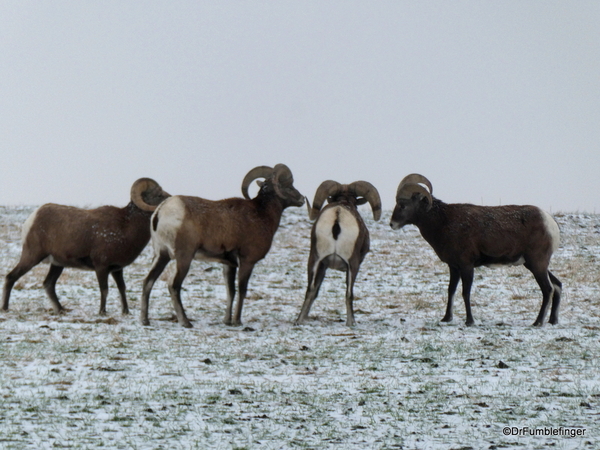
[
  {"x": 282, "y": 178},
  {"x": 410, "y": 185},
  {"x": 257, "y": 172},
  {"x": 415, "y": 178},
  {"x": 325, "y": 189},
  {"x": 147, "y": 188},
  {"x": 370, "y": 193}
]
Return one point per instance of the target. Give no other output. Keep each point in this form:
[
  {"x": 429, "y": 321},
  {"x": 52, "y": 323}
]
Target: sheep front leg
[
  {"x": 50, "y": 287},
  {"x": 102, "y": 276},
  {"x": 244, "y": 273},
  {"x": 454, "y": 277}
]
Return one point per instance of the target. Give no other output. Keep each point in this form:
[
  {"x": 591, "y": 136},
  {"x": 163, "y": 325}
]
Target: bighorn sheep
[
  {"x": 466, "y": 236},
  {"x": 105, "y": 240},
  {"x": 339, "y": 238},
  {"x": 235, "y": 232}
]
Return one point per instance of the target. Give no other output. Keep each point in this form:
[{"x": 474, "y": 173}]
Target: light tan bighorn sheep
[
  {"x": 105, "y": 240},
  {"x": 235, "y": 232},
  {"x": 339, "y": 238}
]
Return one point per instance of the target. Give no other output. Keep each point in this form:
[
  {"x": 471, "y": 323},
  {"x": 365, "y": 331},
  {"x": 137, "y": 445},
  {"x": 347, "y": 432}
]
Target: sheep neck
[{"x": 431, "y": 223}]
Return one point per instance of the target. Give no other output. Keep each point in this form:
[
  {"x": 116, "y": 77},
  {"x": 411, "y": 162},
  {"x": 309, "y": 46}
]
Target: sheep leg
[
  {"x": 13, "y": 276},
  {"x": 229, "y": 273},
  {"x": 50, "y": 287},
  {"x": 454, "y": 277},
  {"x": 183, "y": 267},
  {"x": 158, "y": 266},
  {"x": 543, "y": 281},
  {"x": 315, "y": 279},
  {"x": 118, "y": 277},
  {"x": 102, "y": 276},
  {"x": 350, "y": 279},
  {"x": 555, "y": 298},
  {"x": 466, "y": 276},
  {"x": 244, "y": 273}
]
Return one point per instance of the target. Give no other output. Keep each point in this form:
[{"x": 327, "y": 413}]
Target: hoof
[
  {"x": 187, "y": 325},
  {"x": 145, "y": 322},
  {"x": 125, "y": 312},
  {"x": 446, "y": 319}
]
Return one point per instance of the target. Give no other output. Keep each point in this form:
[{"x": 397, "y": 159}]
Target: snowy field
[{"x": 399, "y": 379}]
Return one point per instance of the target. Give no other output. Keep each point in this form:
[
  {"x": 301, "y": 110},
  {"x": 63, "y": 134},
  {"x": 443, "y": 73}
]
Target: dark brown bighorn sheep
[
  {"x": 235, "y": 232},
  {"x": 104, "y": 240},
  {"x": 466, "y": 236},
  {"x": 339, "y": 238}
]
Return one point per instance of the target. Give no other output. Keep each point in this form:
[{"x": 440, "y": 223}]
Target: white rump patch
[
  {"x": 170, "y": 214},
  {"x": 27, "y": 225},
  {"x": 343, "y": 246},
  {"x": 552, "y": 228}
]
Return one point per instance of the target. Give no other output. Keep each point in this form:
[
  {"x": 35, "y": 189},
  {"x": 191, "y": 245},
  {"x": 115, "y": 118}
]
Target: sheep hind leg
[
  {"x": 555, "y": 298},
  {"x": 350, "y": 279},
  {"x": 183, "y": 267},
  {"x": 315, "y": 279},
  {"x": 24, "y": 266},
  {"x": 118, "y": 277},
  {"x": 50, "y": 287},
  {"x": 454, "y": 278},
  {"x": 244, "y": 273},
  {"x": 543, "y": 280},
  {"x": 229, "y": 273},
  {"x": 158, "y": 266},
  {"x": 466, "y": 276}
]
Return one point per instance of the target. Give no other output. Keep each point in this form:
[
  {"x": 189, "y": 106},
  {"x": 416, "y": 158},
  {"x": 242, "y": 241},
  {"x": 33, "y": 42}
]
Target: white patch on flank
[
  {"x": 343, "y": 246},
  {"x": 518, "y": 262},
  {"x": 552, "y": 228},
  {"x": 170, "y": 213}
]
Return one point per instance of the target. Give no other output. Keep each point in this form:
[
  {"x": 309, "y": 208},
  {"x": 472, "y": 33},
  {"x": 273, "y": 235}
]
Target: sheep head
[
  {"x": 147, "y": 194},
  {"x": 411, "y": 197},
  {"x": 358, "y": 192},
  {"x": 280, "y": 178}
]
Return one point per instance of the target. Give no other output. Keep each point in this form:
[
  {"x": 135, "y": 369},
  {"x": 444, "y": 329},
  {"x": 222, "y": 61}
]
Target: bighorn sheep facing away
[
  {"x": 339, "y": 238},
  {"x": 466, "y": 236},
  {"x": 104, "y": 240},
  {"x": 235, "y": 232}
]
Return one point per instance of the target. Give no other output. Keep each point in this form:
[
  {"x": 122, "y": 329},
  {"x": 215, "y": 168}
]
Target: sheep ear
[
  {"x": 361, "y": 201},
  {"x": 260, "y": 183},
  {"x": 427, "y": 202}
]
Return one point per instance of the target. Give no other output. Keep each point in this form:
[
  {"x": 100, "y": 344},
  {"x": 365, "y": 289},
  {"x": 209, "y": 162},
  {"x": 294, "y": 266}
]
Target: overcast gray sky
[{"x": 495, "y": 102}]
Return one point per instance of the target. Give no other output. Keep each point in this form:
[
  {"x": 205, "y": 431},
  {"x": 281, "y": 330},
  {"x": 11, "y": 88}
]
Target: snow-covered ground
[{"x": 399, "y": 379}]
